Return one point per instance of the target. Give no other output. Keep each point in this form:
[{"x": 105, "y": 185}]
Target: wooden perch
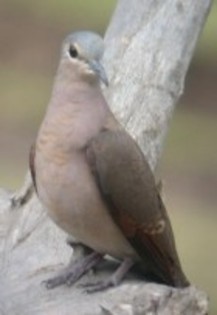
[{"x": 149, "y": 45}]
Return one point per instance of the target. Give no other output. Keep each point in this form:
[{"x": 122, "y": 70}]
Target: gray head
[{"x": 83, "y": 51}]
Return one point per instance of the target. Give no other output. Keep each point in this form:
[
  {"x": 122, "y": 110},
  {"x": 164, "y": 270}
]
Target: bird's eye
[{"x": 73, "y": 52}]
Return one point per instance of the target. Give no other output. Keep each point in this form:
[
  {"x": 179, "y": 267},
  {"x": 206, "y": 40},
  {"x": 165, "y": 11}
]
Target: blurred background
[{"x": 30, "y": 37}]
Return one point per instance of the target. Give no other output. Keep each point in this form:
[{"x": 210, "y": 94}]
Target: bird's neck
[
  {"x": 69, "y": 86},
  {"x": 76, "y": 113}
]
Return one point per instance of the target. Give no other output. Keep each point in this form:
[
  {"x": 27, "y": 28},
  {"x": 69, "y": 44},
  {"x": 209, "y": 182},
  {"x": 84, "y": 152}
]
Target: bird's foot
[
  {"x": 112, "y": 281},
  {"x": 91, "y": 287},
  {"x": 74, "y": 271}
]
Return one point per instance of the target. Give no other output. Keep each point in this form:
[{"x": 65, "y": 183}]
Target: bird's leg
[
  {"x": 113, "y": 280},
  {"x": 79, "y": 249},
  {"x": 74, "y": 271}
]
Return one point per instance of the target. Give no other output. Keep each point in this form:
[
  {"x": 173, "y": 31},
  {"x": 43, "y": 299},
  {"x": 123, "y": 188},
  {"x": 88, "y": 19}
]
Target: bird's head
[{"x": 81, "y": 53}]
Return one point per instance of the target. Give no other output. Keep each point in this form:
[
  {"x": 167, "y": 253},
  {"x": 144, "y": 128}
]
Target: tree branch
[{"x": 149, "y": 45}]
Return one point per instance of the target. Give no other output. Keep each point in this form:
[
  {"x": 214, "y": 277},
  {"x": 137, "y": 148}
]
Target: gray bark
[{"x": 149, "y": 45}]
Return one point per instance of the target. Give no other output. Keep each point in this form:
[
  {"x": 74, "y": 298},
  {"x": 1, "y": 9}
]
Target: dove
[{"x": 94, "y": 180}]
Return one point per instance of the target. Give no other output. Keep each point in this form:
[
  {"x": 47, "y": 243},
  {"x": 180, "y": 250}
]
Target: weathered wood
[{"x": 149, "y": 45}]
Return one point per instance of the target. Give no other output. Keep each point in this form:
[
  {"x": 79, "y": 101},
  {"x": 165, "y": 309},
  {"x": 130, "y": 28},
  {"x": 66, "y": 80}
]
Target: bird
[{"x": 94, "y": 180}]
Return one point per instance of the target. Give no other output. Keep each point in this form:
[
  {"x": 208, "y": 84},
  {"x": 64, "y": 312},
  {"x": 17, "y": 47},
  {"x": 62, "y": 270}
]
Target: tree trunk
[{"x": 149, "y": 45}]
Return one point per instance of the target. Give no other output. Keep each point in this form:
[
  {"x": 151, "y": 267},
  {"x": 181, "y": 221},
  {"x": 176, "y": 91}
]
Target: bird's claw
[
  {"x": 74, "y": 271},
  {"x": 67, "y": 278},
  {"x": 59, "y": 280},
  {"x": 53, "y": 282},
  {"x": 92, "y": 287}
]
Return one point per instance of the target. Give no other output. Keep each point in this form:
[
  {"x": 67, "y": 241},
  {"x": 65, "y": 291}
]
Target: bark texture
[{"x": 149, "y": 45}]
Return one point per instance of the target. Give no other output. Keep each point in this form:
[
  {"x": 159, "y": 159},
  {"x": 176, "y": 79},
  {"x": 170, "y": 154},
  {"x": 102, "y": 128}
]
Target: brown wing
[
  {"x": 127, "y": 185},
  {"x": 32, "y": 164}
]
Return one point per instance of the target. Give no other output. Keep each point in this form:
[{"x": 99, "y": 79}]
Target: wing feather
[{"x": 128, "y": 186}]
